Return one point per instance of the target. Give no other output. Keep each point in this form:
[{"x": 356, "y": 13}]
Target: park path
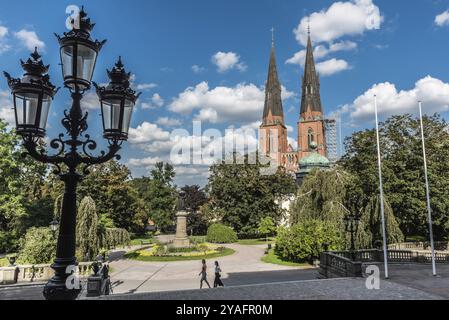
[{"x": 243, "y": 267}]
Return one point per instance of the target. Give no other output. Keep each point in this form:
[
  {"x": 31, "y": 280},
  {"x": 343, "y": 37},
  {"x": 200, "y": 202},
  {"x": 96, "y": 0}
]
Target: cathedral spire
[
  {"x": 273, "y": 109},
  {"x": 311, "y": 101}
]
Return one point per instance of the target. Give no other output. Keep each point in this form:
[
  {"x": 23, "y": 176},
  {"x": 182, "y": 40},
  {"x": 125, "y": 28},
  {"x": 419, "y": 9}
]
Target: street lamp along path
[{"x": 32, "y": 96}]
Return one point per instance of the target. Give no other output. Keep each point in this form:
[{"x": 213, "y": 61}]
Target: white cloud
[
  {"x": 226, "y": 61},
  {"x": 434, "y": 94},
  {"x": 147, "y": 132},
  {"x": 144, "y": 162},
  {"x": 3, "y": 31},
  {"x": 197, "y": 69},
  {"x": 3, "y": 45},
  {"x": 242, "y": 103},
  {"x": 155, "y": 102},
  {"x": 341, "y": 19},
  {"x": 322, "y": 51},
  {"x": 168, "y": 122},
  {"x": 6, "y": 107},
  {"x": 29, "y": 39},
  {"x": 442, "y": 19},
  {"x": 332, "y": 66},
  {"x": 90, "y": 101},
  {"x": 146, "y": 86}
]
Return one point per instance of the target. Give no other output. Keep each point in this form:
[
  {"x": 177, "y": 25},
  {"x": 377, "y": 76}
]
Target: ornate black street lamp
[
  {"x": 32, "y": 99},
  {"x": 352, "y": 222}
]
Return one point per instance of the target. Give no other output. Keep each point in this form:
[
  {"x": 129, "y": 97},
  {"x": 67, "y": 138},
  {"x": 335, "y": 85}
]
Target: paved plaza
[
  {"x": 242, "y": 268},
  {"x": 248, "y": 278}
]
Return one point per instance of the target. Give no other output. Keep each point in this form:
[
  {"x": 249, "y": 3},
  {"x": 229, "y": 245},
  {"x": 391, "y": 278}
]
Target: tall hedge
[{"x": 218, "y": 233}]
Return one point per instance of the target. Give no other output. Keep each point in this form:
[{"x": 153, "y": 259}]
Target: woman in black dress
[{"x": 217, "y": 281}]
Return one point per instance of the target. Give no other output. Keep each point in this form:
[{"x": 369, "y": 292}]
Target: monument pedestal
[{"x": 181, "y": 239}]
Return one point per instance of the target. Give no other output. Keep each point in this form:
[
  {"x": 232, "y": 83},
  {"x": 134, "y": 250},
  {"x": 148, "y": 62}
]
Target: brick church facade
[{"x": 311, "y": 129}]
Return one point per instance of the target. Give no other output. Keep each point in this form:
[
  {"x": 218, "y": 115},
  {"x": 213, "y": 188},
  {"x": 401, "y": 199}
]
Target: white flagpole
[
  {"x": 382, "y": 205},
  {"x": 429, "y": 209}
]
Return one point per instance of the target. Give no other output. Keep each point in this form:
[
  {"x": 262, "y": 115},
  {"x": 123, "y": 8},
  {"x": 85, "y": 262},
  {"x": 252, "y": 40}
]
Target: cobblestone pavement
[
  {"x": 336, "y": 289},
  {"x": 243, "y": 267}
]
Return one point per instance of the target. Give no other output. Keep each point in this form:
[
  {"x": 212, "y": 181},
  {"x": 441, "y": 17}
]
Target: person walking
[
  {"x": 217, "y": 281},
  {"x": 203, "y": 275}
]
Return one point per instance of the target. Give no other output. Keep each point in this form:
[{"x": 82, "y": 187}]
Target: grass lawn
[
  {"x": 134, "y": 255},
  {"x": 254, "y": 242},
  {"x": 4, "y": 262},
  {"x": 272, "y": 258},
  {"x": 146, "y": 238}
]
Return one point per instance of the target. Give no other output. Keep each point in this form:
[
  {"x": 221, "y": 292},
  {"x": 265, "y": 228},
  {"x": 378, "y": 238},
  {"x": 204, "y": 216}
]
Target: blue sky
[{"x": 208, "y": 60}]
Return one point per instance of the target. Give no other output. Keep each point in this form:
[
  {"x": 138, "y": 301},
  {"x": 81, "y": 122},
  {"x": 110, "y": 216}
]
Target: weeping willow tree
[
  {"x": 87, "y": 238},
  {"x": 330, "y": 195}
]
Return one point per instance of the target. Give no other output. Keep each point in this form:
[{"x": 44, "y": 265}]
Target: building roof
[
  {"x": 273, "y": 99},
  {"x": 314, "y": 159},
  {"x": 311, "y": 100}
]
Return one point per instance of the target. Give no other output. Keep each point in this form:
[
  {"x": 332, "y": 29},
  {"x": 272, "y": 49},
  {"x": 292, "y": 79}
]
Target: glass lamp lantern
[
  {"x": 32, "y": 96},
  {"x": 117, "y": 103},
  {"x": 79, "y": 54}
]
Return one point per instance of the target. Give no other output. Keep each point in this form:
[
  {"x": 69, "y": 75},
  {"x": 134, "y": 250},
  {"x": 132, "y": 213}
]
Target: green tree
[
  {"x": 330, "y": 195},
  {"x": 240, "y": 196},
  {"x": 87, "y": 230},
  {"x": 267, "y": 227},
  {"x": 304, "y": 241},
  {"x": 161, "y": 196},
  {"x": 196, "y": 220},
  {"x": 110, "y": 186},
  {"x": 403, "y": 170},
  {"x": 37, "y": 247}
]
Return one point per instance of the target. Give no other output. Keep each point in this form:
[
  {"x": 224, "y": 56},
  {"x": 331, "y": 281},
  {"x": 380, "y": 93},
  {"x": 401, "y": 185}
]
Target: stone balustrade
[
  {"x": 36, "y": 273},
  {"x": 349, "y": 264}
]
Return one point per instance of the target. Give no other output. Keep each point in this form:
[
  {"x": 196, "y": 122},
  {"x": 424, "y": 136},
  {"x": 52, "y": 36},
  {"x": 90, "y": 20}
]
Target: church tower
[
  {"x": 273, "y": 132},
  {"x": 311, "y": 130}
]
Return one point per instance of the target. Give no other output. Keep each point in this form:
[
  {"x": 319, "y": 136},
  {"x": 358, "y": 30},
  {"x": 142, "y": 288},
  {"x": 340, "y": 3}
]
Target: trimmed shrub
[
  {"x": 37, "y": 247},
  {"x": 304, "y": 241},
  {"x": 218, "y": 233}
]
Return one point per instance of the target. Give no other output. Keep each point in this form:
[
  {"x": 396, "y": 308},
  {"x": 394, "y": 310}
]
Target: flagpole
[
  {"x": 382, "y": 204},
  {"x": 429, "y": 208}
]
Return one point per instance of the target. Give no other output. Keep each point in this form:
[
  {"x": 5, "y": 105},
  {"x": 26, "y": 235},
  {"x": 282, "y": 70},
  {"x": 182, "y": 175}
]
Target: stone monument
[{"x": 181, "y": 239}]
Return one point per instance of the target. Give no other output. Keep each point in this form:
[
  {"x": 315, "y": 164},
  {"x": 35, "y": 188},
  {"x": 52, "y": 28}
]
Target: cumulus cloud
[
  {"x": 3, "y": 34},
  {"x": 442, "y": 19},
  {"x": 146, "y": 86},
  {"x": 147, "y": 132},
  {"x": 155, "y": 102},
  {"x": 240, "y": 104},
  {"x": 433, "y": 92},
  {"x": 6, "y": 107},
  {"x": 198, "y": 69},
  {"x": 29, "y": 39},
  {"x": 322, "y": 51},
  {"x": 90, "y": 101},
  {"x": 332, "y": 66},
  {"x": 168, "y": 122},
  {"x": 226, "y": 61},
  {"x": 341, "y": 19}
]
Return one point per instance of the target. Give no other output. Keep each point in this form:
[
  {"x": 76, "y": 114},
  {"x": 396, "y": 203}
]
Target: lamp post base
[
  {"x": 65, "y": 285},
  {"x": 57, "y": 290}
]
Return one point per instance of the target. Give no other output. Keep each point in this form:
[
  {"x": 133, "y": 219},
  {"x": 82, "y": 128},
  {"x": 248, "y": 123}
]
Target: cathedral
[{"x": 312, "y": 147}]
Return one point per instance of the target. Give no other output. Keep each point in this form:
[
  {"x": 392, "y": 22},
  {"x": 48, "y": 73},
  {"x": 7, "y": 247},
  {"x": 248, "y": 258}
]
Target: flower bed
[{"x": 167, "y": 253}]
